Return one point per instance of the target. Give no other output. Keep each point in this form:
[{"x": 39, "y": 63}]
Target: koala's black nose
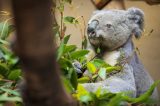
[
  {"x": 92, "y": 26},
  {"x": 90, "y": 30}
]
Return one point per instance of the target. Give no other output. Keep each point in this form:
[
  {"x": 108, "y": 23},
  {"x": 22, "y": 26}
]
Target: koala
[{"x": 112, "y": 32}]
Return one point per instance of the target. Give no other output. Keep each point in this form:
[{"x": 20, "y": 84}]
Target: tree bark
[{"x": 34, "y": 45}]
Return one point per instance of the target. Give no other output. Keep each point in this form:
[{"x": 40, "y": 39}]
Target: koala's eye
[{"x": 108, "y": 25}]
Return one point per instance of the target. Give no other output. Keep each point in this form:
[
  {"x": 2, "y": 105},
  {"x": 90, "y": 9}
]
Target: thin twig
[
  {"x": 82, "y": 31},
  {"x": 61, "y": 36}
]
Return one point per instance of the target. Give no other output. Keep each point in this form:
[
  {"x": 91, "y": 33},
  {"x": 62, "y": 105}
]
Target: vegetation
[{"x": 11, "y": 75}]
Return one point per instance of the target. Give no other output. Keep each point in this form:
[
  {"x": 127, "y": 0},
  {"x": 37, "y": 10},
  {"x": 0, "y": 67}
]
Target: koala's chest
[{"x": 111, "y": 57}]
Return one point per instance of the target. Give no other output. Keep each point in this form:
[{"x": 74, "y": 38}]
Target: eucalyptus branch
[{"x": 82, "y": 30}]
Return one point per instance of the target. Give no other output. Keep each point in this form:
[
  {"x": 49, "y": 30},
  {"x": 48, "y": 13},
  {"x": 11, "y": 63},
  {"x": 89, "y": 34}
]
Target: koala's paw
[{"x": 78, "y": 68}]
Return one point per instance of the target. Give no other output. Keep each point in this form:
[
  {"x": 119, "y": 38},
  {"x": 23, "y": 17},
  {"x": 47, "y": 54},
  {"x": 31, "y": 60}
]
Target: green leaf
[
  {"x": 69, "y": 48},
  {"x": 113, "y": 68},
  {"x": 91, "y": 68},
  {"x": 4, "y": 69},
  {"x": 13, "y": 60},
  {"x": 4, "y": 98},
  {"x": 66, "y": 38},
  {"x": 81, "y": 91},
  {"x": 102, "y": 73},
  {"x": 73, "y": 80},
  {"x": 70, "y": 20},
  {"x": 115, "y": 101},
  {"x": 98, "y": 50},
  {"x": 143, "y": 97},
  {"x": 78, "y": 54},
  {"x": 62, "y": 45},
  {"x": 85, "y": 98},
  {"x": 83, "y": 80},
  {"x": 60, "y": 50},
  {"x": 94, "y": 77},
  {"x": 9, "y": 91},
  {"x": 103, "y": 103},
  {"x": 106, "y": 96},
  {"x": 6, "y": 84},
  {"x": 1, "y": 77},
  {"x": 65, "y": 63},
  {"x": 67, "y": 85},
  {"x": 100, "y": 63},
  {"x": 14, "y": 74},
  {"x": 98, "y": 92},
  {"x": 3, "y": 42},
  {"x": 5, "y": 50},
  {"x": 5, "y": 29}
]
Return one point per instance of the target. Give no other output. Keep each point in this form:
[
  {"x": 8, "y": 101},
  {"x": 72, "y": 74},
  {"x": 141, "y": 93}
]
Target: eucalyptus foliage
[{"x": 10, "y": 73}]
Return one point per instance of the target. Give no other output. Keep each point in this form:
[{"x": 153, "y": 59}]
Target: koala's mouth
[
  {"x": 95, "y": 39},
  {"x": 95, "y": 36},
  {"x": 92, "y": 35}
]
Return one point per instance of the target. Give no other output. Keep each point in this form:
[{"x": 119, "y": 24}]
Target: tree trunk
[{"x": 35, "y": 47}]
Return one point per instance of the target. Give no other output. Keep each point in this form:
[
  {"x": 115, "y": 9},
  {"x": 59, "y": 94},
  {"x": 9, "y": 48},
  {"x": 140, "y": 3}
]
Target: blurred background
[{"x": 149, "y": 44}]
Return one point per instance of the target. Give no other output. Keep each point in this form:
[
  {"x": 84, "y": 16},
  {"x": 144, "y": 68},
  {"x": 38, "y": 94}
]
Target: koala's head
[{"x": 112, "y": 28}]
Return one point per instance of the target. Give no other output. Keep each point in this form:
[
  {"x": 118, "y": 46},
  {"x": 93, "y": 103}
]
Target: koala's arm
[{"x": 121, "y": 82}]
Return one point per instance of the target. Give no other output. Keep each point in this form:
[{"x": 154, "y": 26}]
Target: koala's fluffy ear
[{"x": 136, "y": 16}]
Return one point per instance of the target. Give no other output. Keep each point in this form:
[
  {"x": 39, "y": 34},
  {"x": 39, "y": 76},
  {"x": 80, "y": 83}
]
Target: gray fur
[{"x": 113, "y": 30}]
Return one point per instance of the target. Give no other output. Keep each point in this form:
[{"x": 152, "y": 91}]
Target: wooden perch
[{"x": 100, "y": 3}]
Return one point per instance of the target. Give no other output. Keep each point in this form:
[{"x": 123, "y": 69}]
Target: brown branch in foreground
[{"x": 35, "y": 47}]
